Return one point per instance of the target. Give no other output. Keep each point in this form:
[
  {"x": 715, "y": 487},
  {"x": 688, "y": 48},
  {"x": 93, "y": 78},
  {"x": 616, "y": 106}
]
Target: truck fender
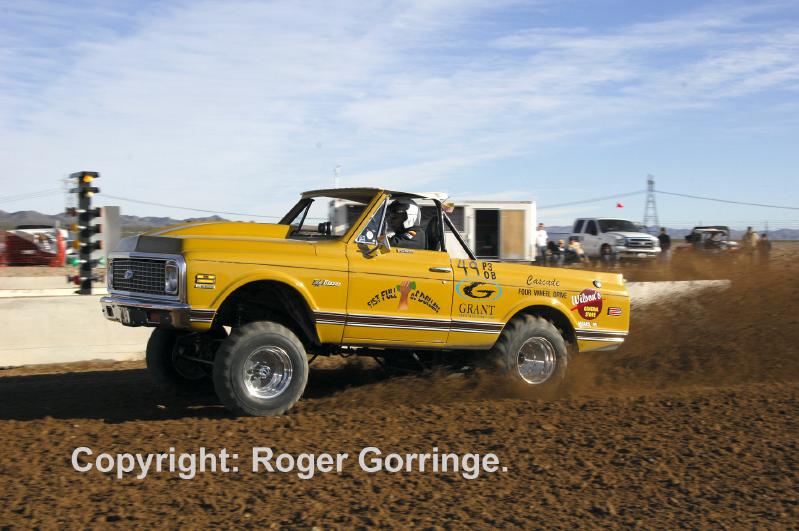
[{"x": 553, "y": 310}]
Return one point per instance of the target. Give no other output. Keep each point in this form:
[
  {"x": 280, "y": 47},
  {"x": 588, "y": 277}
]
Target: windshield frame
[{"x": 303, "y": 206}]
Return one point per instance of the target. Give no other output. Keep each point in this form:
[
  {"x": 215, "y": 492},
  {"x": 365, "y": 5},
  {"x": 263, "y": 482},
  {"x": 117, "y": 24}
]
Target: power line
[
  {"x": 728, "y": 201},
  {"x": 605, "y": 198},
  {"x": 30, "y": 195},
  {"x": 150, "y": 203},
  {"x": 227, "y": 213}
]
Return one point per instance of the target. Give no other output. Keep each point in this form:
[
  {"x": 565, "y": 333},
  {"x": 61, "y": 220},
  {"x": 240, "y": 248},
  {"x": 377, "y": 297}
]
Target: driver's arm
[{"x": 412, "y": 238}]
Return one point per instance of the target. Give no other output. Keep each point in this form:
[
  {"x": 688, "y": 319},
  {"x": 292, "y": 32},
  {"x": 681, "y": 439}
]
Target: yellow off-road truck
[{"x": 347, "y": 271}]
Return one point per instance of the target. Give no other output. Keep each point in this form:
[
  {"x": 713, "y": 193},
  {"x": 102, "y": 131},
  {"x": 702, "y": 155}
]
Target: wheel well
[
  {"x": 555, "y": 317},
  {"x": 268, "y": 300}
]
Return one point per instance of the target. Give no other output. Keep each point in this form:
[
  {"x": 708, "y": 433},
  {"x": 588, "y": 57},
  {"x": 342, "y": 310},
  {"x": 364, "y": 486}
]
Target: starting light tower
[
  {"x": 84, "y": 228},
  {"x": 651, "y": 209}
]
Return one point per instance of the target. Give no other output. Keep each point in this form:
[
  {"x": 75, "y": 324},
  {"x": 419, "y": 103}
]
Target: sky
[{"x": 241, "y": 105}]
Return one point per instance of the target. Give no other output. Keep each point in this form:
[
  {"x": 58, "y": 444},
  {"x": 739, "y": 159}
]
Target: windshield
[
  {"x": 322, "y": 217},
  {"x": 618, "y": 225}
]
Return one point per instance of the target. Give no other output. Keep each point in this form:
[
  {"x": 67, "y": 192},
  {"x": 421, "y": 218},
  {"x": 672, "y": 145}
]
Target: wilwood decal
[{"x": 588, "y": 304}]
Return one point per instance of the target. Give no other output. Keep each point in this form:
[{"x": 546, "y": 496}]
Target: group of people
[
  {"x": 557, "y": 252},
  {"x": 754, "y": 245}
]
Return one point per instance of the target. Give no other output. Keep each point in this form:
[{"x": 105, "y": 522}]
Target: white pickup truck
[{"x": 614, "y": 239}]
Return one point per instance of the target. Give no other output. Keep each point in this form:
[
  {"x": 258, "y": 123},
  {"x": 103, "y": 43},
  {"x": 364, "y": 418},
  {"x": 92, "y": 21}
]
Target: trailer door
[{"x": 511, "y": 230}]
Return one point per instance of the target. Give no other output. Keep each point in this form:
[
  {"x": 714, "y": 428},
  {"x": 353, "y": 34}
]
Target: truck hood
[
  {"x": 632, "y": 235},
  {"x": 185, "y": 237},
  {"x": 225, "y": 229}
]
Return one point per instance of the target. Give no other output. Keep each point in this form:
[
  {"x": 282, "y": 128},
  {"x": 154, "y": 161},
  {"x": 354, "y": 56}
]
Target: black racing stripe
[
  {"x": 584, "y": 333},
  {"x": 475, "y": 331},
  {"x": 417, "y": 323},
  {"x": 400, "y": 322},
  {"x": 397, "y": 326},
  {"x": 478, "y": 325}
]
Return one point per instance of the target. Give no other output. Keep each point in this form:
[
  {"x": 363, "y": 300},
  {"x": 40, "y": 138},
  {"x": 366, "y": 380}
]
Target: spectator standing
[
  {"x": 749, "y": 243},
  {"x": 763, "y": 250},
  {"x": 665, "y": 244},
  {"x": 541, "y": 238}
]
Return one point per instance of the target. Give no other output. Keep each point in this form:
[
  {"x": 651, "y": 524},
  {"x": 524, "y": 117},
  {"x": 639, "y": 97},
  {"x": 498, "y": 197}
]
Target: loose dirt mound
[{"x": 692, "y": 422}]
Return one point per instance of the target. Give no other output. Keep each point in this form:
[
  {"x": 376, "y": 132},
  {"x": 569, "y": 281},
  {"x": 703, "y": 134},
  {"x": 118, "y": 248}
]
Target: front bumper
[
  {"x": 637, "y": 254},
  {"x": 134, "y": 311}
]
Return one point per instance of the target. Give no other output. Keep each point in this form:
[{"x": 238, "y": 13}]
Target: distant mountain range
[
  {"x": 10, "y": 220},
  {"x": 131, "y": 224}
]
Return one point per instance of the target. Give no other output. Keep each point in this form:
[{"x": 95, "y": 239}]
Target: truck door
[
  {"x": 401, "y": 297},
  {"x": 591, "y": 238}
]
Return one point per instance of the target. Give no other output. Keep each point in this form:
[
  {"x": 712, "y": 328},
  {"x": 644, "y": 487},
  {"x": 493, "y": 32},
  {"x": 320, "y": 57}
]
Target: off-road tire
[
  {"x": 229, "y": 375},
  {"x": 161, "y": 366},
  {"x": 505, "y": 353}
]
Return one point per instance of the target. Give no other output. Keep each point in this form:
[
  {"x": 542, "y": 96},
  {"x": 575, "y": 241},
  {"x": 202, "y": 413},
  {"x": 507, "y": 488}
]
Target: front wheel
[
  {"x": 261, "y": 369},
  {"x": 532, "y": 352},
  {"x": 606, "y": 254},
  {"x": 179, "y": 362}
]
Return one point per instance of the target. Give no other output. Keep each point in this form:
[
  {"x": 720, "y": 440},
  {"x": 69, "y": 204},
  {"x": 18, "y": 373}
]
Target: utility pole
[
  {"x": 651, "y": 209},
  {"x": 337, "y": 176}
]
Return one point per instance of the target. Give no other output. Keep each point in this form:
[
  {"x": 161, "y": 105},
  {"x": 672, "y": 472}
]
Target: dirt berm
[{"x": 692, "y": 422}]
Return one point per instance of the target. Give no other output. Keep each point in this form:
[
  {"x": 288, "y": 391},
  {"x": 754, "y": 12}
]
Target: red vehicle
[{"x": 38, "y": 245}]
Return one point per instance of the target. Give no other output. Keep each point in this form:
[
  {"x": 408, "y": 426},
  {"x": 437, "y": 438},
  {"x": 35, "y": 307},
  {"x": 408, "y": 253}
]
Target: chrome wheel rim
[
  {"x": 267, "y": 372},
  {"x": 536, "y": 360}
]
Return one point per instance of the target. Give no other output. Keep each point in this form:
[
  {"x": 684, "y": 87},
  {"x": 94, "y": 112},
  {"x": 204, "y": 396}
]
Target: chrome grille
[
  {"x": 640, "y": 243},
  {"x": 144, "y": 275}
]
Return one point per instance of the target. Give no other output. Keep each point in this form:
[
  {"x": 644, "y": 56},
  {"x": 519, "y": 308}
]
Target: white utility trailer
[{"x": 503, "y": 230}]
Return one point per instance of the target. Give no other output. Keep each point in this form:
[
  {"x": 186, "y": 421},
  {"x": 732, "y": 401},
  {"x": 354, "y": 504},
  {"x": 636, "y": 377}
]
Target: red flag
[{"x": 619, "y": 205}]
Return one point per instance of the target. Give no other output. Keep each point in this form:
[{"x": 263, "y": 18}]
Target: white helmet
[{"x": 410, "y": 208}]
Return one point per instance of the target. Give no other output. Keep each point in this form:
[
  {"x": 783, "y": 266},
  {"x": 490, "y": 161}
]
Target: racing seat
[{"x": 433, "y": 234}]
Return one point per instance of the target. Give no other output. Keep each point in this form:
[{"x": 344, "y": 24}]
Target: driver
[{"x": 403, "y": 229}]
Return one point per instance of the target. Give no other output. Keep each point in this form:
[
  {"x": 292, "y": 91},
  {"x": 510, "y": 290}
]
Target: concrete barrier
[
  {"x": 53, "y": 325},
  {"x": 64, "y": 329},
  {"x": 642, "y": 293}
]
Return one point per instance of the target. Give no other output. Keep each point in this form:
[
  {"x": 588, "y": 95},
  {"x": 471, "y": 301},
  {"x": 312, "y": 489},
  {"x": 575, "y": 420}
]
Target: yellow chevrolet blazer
[{"x": 364, "y": 271}]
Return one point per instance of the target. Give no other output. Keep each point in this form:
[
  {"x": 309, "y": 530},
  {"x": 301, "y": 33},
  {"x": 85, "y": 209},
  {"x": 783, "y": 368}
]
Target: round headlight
[{"x": 171, "y": 279}]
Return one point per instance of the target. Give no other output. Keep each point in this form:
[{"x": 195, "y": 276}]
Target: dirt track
[{"x": 692, "y": 422}]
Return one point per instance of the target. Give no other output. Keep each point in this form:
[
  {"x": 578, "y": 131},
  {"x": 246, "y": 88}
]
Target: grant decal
[{"x": 588, "y": 304}]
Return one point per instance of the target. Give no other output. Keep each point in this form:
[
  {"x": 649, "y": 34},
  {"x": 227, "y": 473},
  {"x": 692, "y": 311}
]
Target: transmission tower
[{"x": 651, "y": 209}]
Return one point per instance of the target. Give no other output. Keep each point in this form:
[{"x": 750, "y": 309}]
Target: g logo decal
[{"x": 483, "y": 291}]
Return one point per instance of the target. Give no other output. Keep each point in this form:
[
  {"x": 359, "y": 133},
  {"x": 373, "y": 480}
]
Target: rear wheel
[
  {"x": 261, "y": 369},
  {"x": 532, "y": 352},
  {"x": 180, "y": 362}
]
